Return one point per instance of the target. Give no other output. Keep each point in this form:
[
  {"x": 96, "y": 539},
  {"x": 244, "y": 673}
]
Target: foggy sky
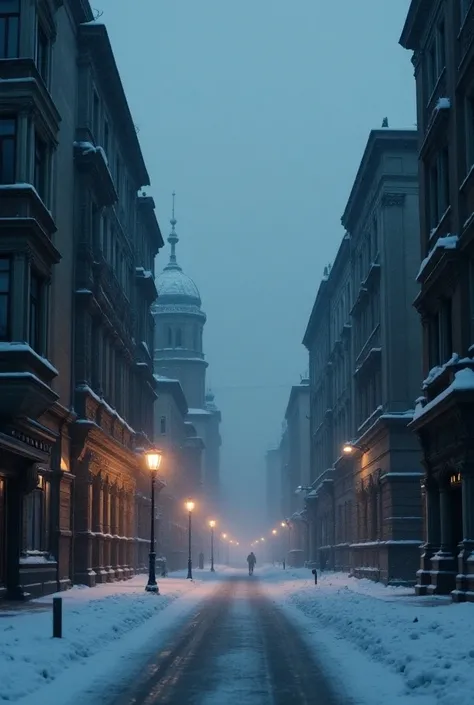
[{"x": 257, "y": 112}]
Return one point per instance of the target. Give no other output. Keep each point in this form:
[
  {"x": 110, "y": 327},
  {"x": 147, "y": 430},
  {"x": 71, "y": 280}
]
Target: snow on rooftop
[
  {"x": 448, "y": 242},
  {"x": 198, "y": 412}
]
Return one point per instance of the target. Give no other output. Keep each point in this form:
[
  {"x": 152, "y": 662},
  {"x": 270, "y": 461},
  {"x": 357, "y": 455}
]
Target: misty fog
[{"x": 257, "y": 114}]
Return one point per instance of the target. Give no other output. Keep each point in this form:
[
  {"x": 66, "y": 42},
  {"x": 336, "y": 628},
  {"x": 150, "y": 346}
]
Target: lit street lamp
[
  {"x": 212, "y": 524},
  {"x": 189, "y": 506},
  {"x": 153, "y": 460}
]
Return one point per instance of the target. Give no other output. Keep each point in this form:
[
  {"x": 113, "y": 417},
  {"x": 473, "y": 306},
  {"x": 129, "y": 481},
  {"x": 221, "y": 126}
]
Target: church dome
[
  {"x": 173, "y": 284},
  {"x": 177, "y": 293}
]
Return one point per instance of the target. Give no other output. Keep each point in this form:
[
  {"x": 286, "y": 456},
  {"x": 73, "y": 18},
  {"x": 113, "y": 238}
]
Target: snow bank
[
  {"x": 34, "y": 667},
  {"x": 424, "y": 646}
]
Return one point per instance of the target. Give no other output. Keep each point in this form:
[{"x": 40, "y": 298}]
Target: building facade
[
  {"x": 297, "y": 471},
  {"x": 364, "y": 505},
  {"x": 181, "y": 470},
  {"x": 273, "y": 486},
  {"x": 179, "y": 355},
  {"x": 77, "y": 391},
  {"x": 441, "y": 38}
]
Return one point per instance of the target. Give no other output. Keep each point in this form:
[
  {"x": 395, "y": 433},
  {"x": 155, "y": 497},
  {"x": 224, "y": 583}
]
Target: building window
[
  {"x": 179, "y": 338},
  {"x": 105, "y": 238},
  {"x": 95, "y": 116},
  {"x": 7, "y": 150},
  {"x": 118, "y": 176},
  {"x": 42, "y": 53},
  {"x": 5, "y": 279},
  {"x": 438, "y": 187},
  {"x": 41, "y": 167},
  {"x": 35, "y": 312},
  {"x": 9, "y": 28},
  {"x": 37, "y": 517},
  {"x": 106, "y": 137},
  {"x": 436, "y": 59},
  {"x": 163, "y": 425},
  {"x": 440, "y": 335}
]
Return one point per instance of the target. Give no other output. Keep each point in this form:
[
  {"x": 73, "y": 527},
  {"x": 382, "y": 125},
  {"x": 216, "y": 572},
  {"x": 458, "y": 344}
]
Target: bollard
[
  {"x": 57, "y": 617},
  {"x": 314, "y": 572}
]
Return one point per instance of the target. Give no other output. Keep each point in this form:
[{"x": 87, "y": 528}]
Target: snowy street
[{"x": 273, "y": 639}]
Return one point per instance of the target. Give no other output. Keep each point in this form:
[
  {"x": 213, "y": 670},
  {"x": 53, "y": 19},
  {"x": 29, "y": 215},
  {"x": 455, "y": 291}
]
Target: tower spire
[{"x": 173, "y": 238}]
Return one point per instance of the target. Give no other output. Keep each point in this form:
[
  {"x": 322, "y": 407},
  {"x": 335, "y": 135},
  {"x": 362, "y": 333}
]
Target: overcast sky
[{"x": 257, "y": 112}]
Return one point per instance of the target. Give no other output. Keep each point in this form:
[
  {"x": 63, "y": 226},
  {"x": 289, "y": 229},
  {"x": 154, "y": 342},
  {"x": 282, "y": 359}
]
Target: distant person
[
  {"x": 201, "y": 560},
  {"x": 251, "y": 560}
]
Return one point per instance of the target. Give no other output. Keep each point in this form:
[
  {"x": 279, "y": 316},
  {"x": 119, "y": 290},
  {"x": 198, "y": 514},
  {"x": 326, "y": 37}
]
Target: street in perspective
[{"x": 236, "y": 352}]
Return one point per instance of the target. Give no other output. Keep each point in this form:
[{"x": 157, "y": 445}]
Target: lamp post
[
  {"x": 153, "y": 459},
  {"x": 189, "y": 506},
  {"x": 212, "y": 524}
]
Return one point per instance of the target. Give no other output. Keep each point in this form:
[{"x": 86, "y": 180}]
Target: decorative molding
[{"x": 391, "y": 200}]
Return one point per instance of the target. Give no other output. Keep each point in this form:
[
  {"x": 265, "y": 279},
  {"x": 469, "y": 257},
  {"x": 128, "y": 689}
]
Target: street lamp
[
  {"x": 189, "y": 506},
  {"x": 212, "y": 524},
  {"x": 349, "y": 447},
  {"x": 274, "y": 532},
  {"x": 153, "y": 461}
]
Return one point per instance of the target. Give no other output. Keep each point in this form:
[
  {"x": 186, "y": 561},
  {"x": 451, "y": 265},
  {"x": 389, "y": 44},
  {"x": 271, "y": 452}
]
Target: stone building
[
  {"x": 364, "y": 505},
  {"x": 273, "y": 486},
  {"x": 296, "y": 473},
  {"x": 441, "y": 36},
  {"x": 116, "y": 238},
  {"x": 182, "y": 449},
  {"x": 179, "y": 355},
  {"x": 76, "y": 391}
]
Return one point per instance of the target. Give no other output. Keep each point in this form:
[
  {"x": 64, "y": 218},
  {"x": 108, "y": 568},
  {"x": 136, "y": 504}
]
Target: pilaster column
[
  {"x": 446, "y": 520},
  {"x": 465, "y": 577},
  {"x": 433, "y": 514},
  {"x": 20, "y": 290}
]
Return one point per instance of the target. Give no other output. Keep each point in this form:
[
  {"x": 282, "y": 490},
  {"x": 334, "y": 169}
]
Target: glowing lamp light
[
  {"x": 283, "y": 524},
  {"x": 262, "y": 539},
  {"x": 153, "y": 459},
  {"x": 212, "y": 523},
  {"x": 224, "y": 536},
  {"x": 189, "y": 505},
  {"x": 274, "y": 532},
  {"x": 347, "y": 448}
]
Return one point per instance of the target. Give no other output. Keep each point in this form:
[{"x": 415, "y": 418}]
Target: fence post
[{"x": 57, "y": 617}]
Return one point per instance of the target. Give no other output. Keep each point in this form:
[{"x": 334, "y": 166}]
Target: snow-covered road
[
  {"x": 241, "y": 640},
  {"x": 238, "y": 649}
]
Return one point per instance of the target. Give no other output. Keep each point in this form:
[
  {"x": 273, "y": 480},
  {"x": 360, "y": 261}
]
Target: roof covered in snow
[{"x": 173, "y": 285}]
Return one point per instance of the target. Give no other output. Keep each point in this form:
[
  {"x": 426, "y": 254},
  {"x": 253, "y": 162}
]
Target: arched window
[
  {"x": 170, "y": 338},
  {"x": 179, "y": 338}
]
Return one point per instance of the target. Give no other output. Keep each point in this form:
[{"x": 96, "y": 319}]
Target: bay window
[
  {"x": 7, "y": 149},
  {"x": 9, "y": 29}
]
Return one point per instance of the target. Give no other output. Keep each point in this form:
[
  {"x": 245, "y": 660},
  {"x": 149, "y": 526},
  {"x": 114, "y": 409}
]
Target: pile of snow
[
  {"x": 34, "y": 667},
  {"x": 463, "y": 382},
  {"x": 448, "y": 242},
  {"x": 424, "y": 646}
]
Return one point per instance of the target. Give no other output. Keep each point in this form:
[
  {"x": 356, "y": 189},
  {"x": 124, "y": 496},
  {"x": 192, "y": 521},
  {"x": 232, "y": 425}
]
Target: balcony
[
  {"x": 25, "y": 378},
  {"x": 146, "y": 206},
  {"x": 146, "y": 280},
  {"x": 91, "y": 160},
  {"x": 23, "y": 88}
]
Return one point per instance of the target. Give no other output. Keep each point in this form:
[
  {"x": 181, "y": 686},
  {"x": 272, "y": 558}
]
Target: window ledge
[{"x": 22, "y": 83}]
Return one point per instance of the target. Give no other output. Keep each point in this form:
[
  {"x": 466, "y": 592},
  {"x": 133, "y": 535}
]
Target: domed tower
[{"x": 179, "y": 324}]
